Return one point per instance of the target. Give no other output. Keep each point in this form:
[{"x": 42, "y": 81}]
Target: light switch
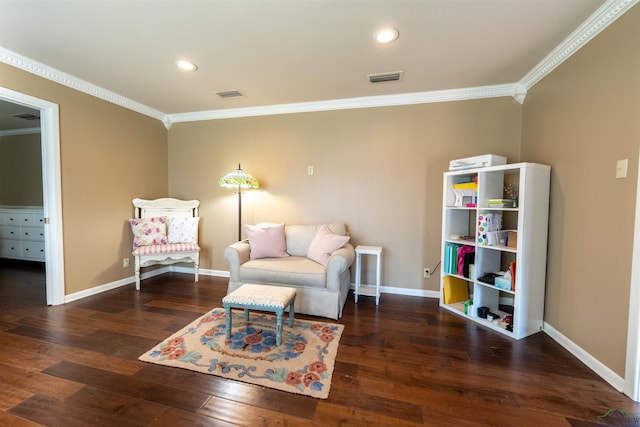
[{"x": 621, "y": 168}]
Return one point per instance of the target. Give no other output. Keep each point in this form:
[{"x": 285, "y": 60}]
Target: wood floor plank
[
  {"x": 102, "y": 341},
  {"x": 38, "y": 383},
  {"x": 165, "y": 394},
  {"x": 57, "y": 413},
  {"x": 8, "y": 419},
  {"x": 332, "y": 414},
  {"x": 241, "y": 414},
  {"x": 12, "y": 395},
  {"x": 234, "y": 391},
  {"x": 360, "y": 396},
  {"x": 176, "y": 417},
  {"x": 27, "y": 352},
  {"x": 116, "y": 407}
]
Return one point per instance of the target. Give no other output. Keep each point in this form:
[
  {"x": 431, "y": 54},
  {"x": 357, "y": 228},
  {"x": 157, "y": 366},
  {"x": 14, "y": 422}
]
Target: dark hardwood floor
[{"x": 403, "y": 363}]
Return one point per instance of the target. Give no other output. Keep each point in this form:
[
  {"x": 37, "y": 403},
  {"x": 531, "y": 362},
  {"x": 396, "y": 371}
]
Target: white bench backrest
[{"x": 165, "y": 207}]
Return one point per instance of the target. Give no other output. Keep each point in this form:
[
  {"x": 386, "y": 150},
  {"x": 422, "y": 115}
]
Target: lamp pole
[
  {"x": 239, "y": 212},
  {"x": 239, "y": 179}
]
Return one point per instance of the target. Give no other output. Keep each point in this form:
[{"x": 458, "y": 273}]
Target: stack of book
[
  {"x": 501, "y": 203},
  {"x": 459, "y": 259}
]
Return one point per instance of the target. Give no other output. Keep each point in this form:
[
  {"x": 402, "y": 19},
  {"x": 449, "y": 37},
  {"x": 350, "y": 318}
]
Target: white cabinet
[
  {"x": 22, "y": 233},
  {"x": 469, "y": 281}
]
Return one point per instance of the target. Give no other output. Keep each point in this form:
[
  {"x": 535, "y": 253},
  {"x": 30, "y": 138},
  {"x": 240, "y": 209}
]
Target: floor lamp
[{"x": 239, "y": 180}]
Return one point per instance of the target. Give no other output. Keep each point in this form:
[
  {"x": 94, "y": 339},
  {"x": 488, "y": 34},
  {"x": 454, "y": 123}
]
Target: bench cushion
[{"x": 166, "y": 249}]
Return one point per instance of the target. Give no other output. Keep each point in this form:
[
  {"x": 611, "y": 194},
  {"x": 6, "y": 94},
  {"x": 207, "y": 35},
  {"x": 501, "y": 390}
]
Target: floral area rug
[{"x": 303, "y": 363}]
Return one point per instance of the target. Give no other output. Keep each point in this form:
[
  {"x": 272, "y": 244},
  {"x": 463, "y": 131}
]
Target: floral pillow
[
  {"x": 182, "y": 229},
  {"x": 266, "y": 241},
  {"x": 149, "y": 231},
  {"x": 323, "y": 245}
]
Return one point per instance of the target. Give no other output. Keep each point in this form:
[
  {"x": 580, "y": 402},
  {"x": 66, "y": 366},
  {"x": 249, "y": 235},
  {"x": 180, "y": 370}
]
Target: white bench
[
  {"x": 169, "y": 253},
  {"x": 261, "y": 297}
]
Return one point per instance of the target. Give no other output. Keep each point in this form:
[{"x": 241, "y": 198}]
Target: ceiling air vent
[
  {"x": 26, "y": 116},
  {"x": 385, "y": 77},
  {"x": 230, "y": 94}
]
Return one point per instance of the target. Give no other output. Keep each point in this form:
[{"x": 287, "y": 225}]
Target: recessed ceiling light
[
  {"x": 386, "y": 35},
  {"x": 186, "y": 65}
]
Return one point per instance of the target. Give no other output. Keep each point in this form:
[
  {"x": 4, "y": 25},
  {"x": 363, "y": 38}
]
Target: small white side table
[{"x": 368, "y": 250}]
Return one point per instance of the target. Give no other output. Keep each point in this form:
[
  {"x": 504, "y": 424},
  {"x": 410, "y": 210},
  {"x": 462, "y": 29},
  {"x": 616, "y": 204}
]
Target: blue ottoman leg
[
  {"x": 228, "y": 321},
  {"x": 279, "y": 327},
  {"x": 291, "y": 311}
]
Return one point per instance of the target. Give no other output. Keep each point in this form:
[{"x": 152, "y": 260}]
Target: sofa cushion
[
  {"x": 286, "y": 271},
  {"x": 323, "y": 245},
  {"x": 266, "y": 241},
  {"x": 299, "y": 237}
]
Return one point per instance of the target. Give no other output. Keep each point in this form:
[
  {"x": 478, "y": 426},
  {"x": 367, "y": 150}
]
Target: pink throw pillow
[
  {"x": 266, "y": 242},
  {"x": 323, "y": 245},
  {"x": 149, "y": 231}
]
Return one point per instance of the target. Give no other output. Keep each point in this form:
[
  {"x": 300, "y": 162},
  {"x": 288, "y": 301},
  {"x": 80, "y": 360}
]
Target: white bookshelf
[{"x": 529, "y": 219}]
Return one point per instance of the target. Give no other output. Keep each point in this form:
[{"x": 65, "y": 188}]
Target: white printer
[{"x": 477, "y": 162}]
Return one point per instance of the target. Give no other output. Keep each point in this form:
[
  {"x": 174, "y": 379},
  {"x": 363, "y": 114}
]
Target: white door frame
[
  {"x": 51, "y": 189},
  {"x": 632, "y": 368}
]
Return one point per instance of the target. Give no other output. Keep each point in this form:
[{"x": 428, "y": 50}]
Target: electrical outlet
[
  {"x": 125, "y": 262},
  {"x": 427, "y": 273},
  {"x": 310, "y": 170}
]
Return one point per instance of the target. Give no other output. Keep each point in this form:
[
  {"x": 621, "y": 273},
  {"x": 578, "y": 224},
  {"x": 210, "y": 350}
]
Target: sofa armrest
[
  {"x": 339, "y": 262},
  {"x": 236, "y": 255}
]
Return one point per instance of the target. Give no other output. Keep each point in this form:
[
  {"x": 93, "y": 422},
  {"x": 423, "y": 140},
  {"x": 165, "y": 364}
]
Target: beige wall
[
  {"x": 379, "y": 170},
  {"x": 20, "y": 170},
  {"x": 108, "y": 156},
  {"x": 581, "y": 119}
]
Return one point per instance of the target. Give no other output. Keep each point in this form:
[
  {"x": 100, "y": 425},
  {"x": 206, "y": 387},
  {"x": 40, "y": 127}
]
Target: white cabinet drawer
[
  {"x": 33, "y": 250},
  {"x": 32, "y": 219},
  {"x": 10, "y": 232},
  {"x": 32, "y": 233},
  {"x": 22, "y": 218},
  {"x": 10, "y": 248}
]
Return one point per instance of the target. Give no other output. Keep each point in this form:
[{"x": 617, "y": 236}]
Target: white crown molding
[
  {"x": 42, "y": 70},
  {"x": 25, "y": 131},
  {"x": 351, "y": 103},
  {"x": 598, "y": 21}
]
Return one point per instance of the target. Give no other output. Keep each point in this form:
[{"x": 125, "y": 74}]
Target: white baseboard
[
  {"x": 131, "y": 279},
  {"x": 592, "y": 363},
  {"x": 402, "y": 291},
  {"x": 204, "y": 272},
  {"x": 113, "y": 285}
]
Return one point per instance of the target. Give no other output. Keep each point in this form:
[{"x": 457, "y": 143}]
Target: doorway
[{"x": 51, "y": 189}]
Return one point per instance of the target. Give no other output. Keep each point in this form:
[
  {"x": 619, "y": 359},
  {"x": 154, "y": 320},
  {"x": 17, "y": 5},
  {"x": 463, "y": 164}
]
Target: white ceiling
[{"x": 286, "y": 51}]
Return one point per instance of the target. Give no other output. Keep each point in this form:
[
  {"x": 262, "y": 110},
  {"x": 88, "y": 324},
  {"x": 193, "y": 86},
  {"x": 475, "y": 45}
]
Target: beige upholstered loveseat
[{"x": 321, "y": 290}]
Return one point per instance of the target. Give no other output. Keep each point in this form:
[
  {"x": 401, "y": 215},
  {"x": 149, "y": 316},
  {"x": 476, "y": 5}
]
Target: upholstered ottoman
[{"x": 261, "y": 297}]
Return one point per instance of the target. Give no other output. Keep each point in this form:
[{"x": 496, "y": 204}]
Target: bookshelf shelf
[{"x": 502, "y": 240}]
